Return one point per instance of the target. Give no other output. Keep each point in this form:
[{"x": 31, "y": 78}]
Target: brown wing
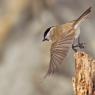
[{"x": 59, "y": 50}]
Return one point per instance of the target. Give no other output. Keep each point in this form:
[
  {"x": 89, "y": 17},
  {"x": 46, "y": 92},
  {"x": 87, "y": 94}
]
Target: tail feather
[{"x": 82, "y": 17}]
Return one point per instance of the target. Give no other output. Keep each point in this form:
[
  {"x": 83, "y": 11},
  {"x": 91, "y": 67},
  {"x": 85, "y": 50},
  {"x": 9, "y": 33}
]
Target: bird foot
[
  {"x": 74, "y": 47},
  {"x": 79, "y": 45}
]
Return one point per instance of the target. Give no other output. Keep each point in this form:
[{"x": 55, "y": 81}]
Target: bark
[{"x": 84, "y": 79}]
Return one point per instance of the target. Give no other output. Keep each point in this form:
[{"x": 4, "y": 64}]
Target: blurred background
[{"x": 24, "y": 58}]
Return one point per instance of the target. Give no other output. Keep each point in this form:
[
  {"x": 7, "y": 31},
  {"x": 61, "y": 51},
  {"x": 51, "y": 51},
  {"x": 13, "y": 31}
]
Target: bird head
[{"x": 47, "y": 34}]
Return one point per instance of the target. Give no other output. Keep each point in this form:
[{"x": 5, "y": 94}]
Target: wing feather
[{"x": 59, "y": 50}]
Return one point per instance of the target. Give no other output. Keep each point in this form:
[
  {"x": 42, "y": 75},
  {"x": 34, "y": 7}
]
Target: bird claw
[
  {"x": 79, "y": 45},
  {"x": 74, "y": 47}
]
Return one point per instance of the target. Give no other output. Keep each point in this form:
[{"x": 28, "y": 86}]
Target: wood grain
[{"x": 84, "y": 79}]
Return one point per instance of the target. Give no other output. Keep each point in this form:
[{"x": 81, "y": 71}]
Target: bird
[{"x": 62, "y": 38}]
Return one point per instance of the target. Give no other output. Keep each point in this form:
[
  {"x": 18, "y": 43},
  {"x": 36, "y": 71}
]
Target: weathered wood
[{"x": 84, "y": 79}]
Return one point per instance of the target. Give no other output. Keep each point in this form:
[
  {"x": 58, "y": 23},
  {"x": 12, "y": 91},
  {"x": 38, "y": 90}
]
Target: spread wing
[{"x": 59, "y": 50}]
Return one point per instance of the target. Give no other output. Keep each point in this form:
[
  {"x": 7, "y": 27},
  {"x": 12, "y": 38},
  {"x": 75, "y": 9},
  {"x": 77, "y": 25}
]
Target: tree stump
[{"x": 84, "y": 79}]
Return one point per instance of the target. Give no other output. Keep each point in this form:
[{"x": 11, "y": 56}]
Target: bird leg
[
  {"x": 80, "y": 45},
  {"x": 74, "y": 47}
]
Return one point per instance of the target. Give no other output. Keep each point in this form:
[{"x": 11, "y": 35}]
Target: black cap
[{"x": 45, "y": 34}]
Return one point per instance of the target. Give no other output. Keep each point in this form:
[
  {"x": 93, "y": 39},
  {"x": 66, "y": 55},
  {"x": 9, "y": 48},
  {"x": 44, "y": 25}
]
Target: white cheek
[
  {"x": 48, "y": 36},
  {"x": 50, "y": 33}
]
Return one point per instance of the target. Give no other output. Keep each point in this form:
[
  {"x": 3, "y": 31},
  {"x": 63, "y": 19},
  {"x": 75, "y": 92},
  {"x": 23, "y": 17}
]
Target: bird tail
[{"x": 82, "y": 17}]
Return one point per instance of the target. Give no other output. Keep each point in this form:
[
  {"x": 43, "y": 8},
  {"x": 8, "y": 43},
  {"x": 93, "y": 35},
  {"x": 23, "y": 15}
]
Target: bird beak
[{"x": 45, "y": 40}]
